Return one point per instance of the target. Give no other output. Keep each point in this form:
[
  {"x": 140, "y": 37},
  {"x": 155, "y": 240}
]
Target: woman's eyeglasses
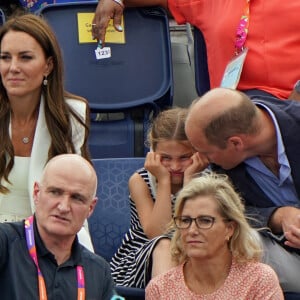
[{"x": 202, "y": 222}]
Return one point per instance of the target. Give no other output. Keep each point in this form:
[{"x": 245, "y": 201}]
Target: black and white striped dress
[{"x": 130, "y": 264}]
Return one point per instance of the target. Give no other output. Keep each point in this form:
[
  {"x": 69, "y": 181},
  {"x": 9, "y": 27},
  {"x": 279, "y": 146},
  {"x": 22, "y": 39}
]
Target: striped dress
[{"x": 131, "y": 264}]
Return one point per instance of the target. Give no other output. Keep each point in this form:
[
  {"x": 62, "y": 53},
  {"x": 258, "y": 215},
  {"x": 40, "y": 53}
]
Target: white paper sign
[{"x": 102, "y": 53}]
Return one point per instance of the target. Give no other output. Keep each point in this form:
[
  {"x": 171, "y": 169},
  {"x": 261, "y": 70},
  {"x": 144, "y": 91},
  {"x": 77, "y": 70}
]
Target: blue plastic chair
[
  {"x": 125, "y": 90},
  {"x": 35, "y": 6},
  {"x": 111, "y": 218},
  {"x": 201, "y": 69},
  {"x": 291, "y": 296}
]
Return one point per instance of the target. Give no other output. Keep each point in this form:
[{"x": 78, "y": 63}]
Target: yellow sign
[{"x": 85, "y": 30}]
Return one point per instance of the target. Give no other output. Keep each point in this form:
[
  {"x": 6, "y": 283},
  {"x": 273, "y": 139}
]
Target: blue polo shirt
[{"x": 281, "y": 189}]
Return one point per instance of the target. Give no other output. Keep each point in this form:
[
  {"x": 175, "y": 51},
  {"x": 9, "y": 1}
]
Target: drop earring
[{"x": 45, "y": 81}]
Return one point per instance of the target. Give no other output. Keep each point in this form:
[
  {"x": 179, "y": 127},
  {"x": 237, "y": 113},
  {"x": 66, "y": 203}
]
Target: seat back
[
  {"x": 291, "y": 296},
  {"x": 201, "y": 68},
  {"x": 111, "y": 217},
  {"x": 36, "y": 5},
  {"x": 125, "y": 89},
  {"x": 120, "y": 134}
]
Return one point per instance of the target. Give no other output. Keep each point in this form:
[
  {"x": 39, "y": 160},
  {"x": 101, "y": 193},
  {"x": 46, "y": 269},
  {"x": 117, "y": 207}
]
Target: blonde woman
[{"x": 217, "y": 251}]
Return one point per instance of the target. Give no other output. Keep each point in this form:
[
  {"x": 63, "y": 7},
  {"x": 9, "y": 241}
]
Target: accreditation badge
[{"x": 233, "y": 70}]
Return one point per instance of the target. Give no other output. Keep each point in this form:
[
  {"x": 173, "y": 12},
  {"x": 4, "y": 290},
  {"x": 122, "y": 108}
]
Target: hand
[
  {"x": 106, "y": 10},
  {"x": 294, "y": 96},
  {"x": 292, "y": 233},
  {"x": 286, "y": 219},
  {"x": 199, "y": 163},
  {"x": 155, "y": 167}
]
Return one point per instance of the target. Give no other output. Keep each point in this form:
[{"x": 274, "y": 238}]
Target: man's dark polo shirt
[{"x": 18, "y": 273}]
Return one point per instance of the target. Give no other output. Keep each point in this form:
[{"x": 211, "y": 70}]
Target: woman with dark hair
[{"x": 38, "y": 118}]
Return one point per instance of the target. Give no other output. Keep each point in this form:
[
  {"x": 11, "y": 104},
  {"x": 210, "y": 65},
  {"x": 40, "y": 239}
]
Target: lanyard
[
  {"x": 242, "y": 30},
  {"x": 41, "y": 282}
]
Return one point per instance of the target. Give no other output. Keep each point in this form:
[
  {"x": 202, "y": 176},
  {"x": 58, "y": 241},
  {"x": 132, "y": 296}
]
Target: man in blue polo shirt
[{"x": 256, "y": 143}]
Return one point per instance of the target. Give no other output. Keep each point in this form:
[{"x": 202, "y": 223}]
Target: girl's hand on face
[
  {"x": 199, "y": 163},
  {"x": 155, "y": 167}
]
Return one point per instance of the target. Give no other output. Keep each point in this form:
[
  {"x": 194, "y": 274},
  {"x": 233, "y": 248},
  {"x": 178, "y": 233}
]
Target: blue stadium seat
[
  {"x": 111, "y": 218},
  {"x": 125, "y": 90},
  {"x": 291, "y": 296},
  {"x": 201, "y": 69},
  {"x": 37, "y": 5}
]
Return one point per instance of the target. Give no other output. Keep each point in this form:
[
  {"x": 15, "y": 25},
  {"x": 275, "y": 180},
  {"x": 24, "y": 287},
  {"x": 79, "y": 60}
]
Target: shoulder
[
  {"x": 262, "y": 272},
  {"x": 92, "y": 260},
  {"x": 173, "y": 276},
  {"x": 254, "y": 279},
  {"x": 10, "y": 234},
  {"x": 265, "y": 271},
  {"x": 98, "y": 275},
  {"x": 12, "y": 230},
  {"x": 276, "y": 105},
  {"x": 77, "y": 104},
  {"x": 137, "y": 175}
]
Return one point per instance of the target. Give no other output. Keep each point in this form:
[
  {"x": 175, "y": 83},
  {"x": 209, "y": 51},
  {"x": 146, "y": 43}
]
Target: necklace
[
  {"x": 26, "y": 136},
  {"x": 25, "y": 140}
]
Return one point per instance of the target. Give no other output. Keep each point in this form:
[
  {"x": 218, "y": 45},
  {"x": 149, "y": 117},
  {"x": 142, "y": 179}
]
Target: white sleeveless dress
[{"x": 15, "y": 206}]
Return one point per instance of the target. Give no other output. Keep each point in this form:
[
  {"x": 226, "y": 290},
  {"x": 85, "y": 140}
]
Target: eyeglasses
[{"x": 202, "y": 222}]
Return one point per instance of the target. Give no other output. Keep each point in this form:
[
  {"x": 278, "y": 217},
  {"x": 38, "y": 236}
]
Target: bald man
[
  {"x": 42, "y": 256},
  {"x": 256, "y": 142}
]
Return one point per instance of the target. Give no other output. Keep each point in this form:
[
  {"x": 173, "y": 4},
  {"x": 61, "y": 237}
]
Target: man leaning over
[{"x": 256, "y": 142}]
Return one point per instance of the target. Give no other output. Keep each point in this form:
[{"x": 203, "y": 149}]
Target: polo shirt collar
[{"x": 75, "y": 258}]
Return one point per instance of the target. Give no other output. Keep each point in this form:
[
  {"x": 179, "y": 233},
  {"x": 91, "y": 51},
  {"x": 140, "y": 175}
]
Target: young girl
[{"x": 171, "y": 163}]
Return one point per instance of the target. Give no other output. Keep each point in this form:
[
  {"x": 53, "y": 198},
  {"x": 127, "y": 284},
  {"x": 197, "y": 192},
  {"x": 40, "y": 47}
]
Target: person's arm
[
  {"x": 108, "y": 284},
  {"x": 267, "y": 286},
  {"x": 295, "y": 94},
  {"x": 287, "y": 220},
  {"x": 152, "y": 291},
  {"x": 4, "y": 245},
  {"x": 80, "y": 129},
  {"x": 110, "y": 9},
  {"x": 199, "y": 163},
  {"x": 153, "y": 215}
]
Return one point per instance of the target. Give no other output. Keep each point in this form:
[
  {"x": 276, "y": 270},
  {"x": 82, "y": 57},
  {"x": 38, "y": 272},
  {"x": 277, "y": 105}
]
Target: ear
[
  {"x": 36, "y": 190},
  {"x": 92, "y": 206},
  {"x": 235, "y": 142},
  {"x": 49, "y": 66},
  {"x": 230, "y": 229}
]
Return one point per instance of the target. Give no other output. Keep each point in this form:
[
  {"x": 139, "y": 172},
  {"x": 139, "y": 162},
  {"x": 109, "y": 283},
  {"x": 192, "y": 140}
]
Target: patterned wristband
[{"x": 120, "y": 2}]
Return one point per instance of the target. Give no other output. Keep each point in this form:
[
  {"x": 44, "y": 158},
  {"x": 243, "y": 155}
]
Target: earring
[{"x": 45, "y": 81}]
